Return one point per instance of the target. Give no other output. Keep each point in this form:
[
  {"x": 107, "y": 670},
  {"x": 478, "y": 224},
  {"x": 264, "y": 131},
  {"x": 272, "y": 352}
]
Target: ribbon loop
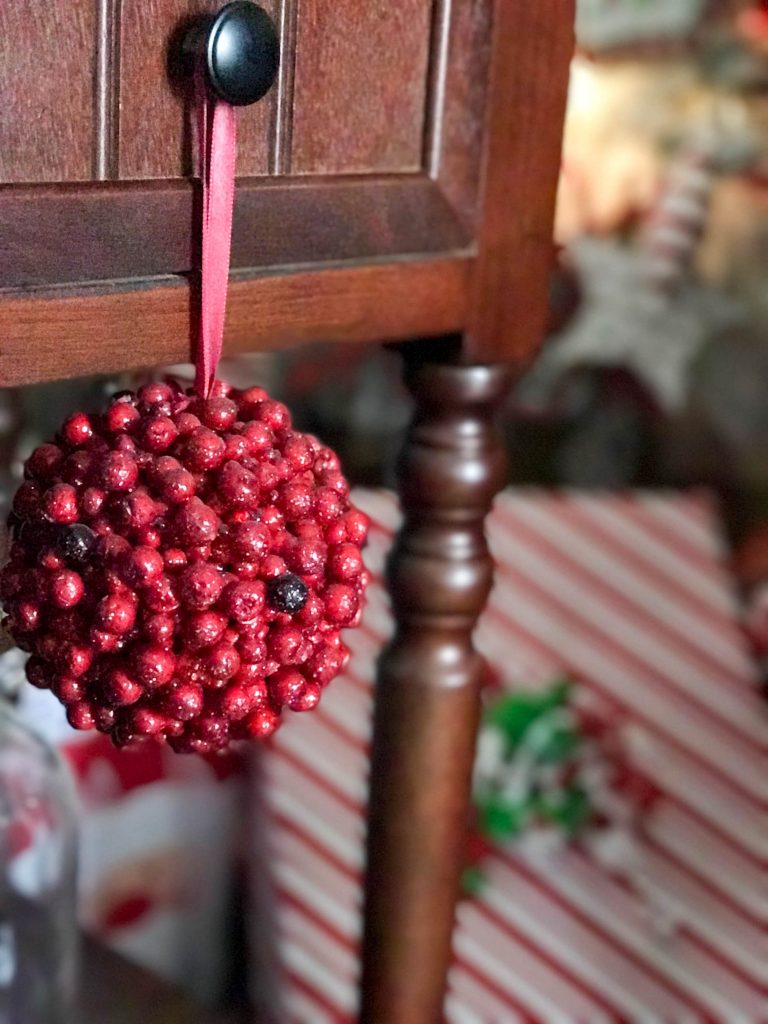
[{"x": 217, "y": 146}]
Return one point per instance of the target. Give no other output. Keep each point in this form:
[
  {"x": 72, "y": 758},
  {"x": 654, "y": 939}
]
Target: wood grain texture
[
  {"x": 154, "y": 128},
  {"x": 106, "y": 96},
  {"x": 280, "y": 162},
  {"x": 59, "y": 336},
  {"x": 47, "y": 54},
  {"x": 428, "y": 694},
  {"x": 458, "y": 86},
  {"x": 360, "y": 85},
  {"x": 68, "y": 234},
  {"x": 531, "y": 49}
]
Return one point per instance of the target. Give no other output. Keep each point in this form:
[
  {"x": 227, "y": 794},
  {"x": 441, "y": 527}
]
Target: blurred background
[{"x": 639, "y": 435}]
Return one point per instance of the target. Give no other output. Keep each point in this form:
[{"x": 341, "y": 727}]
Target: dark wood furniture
[{"x": 397, "y": 184}]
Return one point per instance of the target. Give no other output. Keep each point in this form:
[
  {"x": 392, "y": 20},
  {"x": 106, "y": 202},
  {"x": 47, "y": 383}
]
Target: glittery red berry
[
  {"x": 27, "y": 616},
  {"x": 196, "y": 523},
  {"x": 121, "y": 417},
  {"x": 80, "y": 715},
  {"x": 325, "y": 664},
  {"x": 184, "y": 702},
  {"x": 237, "y": 486},
  {"x": 204, "y": 629},
  {"x": 345, "y": 562},
  {"x": 203, "y": 450},
  {"x": 27, "y": 500},
  {"x": 92, "y": 501},
  {"x": 38, "y": 673},
  {"x": 295, "y": 500},
  {"x": 274, "y": 414},
  {"x": 253, "y": 650},
  {"x": 201, "y": 585},
  {"x": 103, "y": 641},
  {"x": 155, "y": 396},
  {"x": 176, "y": 486},
  {"x": 44, "y": 462},
  {"x": 60, "y": 503},
  {"x": 329, "y": 505},
  {"x": 307, "y": 557},
  {"x": 78, "y": 468},
  {"x": 250, "y": 540},
  {"x": 68, "y": 689},
  {"x": 66, "y": 588},
  {"x": 160, "y": 630},
  {"x": 120, "y": 689},
  {"x": 341, "y": 603},
  {"x": 118, "y": 471},
  {"x": 244, "y": 602},
  {"x": 77, "y": 659},
  {"x": 236, "y": 447},
  {"x": 251, "y": 397},
  {"x": 222, "y": 663},
  {"x": 286, "y": 686},
  {"x": 153, "y": 666},
  {"x": 287, "y": 645},
  {"x": 157, "y": 433},
  {"x": 77, "y": 430},
  {"x": 175, "y": 559},
  {"x": 307, "y": 699},
  {"x": 146, "y": 721},
  {"x": 357, "y": 525},
  {"x": 143, "y": 565},
  {"x": 218, "y": 413},
  {"x": 116, "y": 613},
  {"x": 211, "y": 730},
  {"x": 262, "y": 723},
  {"x": 273, "y": 566}
]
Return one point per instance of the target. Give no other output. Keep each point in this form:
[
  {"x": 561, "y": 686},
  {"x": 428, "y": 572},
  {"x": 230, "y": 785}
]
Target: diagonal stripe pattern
[{"x": 629, "y": 592}]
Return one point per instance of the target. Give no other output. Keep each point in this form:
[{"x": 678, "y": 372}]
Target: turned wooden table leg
[{"x": 427, "y": 700}]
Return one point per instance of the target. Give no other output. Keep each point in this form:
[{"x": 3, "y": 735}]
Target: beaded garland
[{"x": 181, "y": 567}]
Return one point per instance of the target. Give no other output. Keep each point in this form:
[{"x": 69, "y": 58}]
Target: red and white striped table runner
[{"x": 630, "y": 594}]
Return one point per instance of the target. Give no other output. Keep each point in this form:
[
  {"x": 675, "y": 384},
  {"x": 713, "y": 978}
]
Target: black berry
[
  {"x": 75, "y": 542},
  {"x": 287, "y": 593}
]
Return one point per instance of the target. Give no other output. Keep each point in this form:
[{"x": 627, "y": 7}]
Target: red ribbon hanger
[{"x": 217, "y": 154}]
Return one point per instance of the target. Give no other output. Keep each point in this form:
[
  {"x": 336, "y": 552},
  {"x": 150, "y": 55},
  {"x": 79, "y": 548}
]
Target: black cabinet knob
[{"x": 240, "y": 51}]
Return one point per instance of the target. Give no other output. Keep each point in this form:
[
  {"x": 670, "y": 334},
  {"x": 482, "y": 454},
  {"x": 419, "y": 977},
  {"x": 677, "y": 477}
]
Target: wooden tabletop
[{"x": 118, "y": 992}]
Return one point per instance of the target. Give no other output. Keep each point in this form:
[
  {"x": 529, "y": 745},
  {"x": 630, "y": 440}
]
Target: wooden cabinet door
[{"x": 357, "y": 213}]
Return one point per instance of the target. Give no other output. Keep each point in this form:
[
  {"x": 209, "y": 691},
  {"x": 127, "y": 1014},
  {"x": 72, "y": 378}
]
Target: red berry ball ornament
[{"x": 181, "y": 567}]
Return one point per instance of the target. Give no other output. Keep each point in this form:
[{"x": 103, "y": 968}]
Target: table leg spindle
[{"x": 427, "y": 700}]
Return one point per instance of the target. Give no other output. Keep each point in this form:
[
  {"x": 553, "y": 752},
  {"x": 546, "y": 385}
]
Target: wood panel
[
  {"x": 360, "y": 83},
  {"x": 47, "y": 55},
  {"x": 154, "y": 124},
  {"x": 531, "y": 49},
  {"x": 98, "y": 331},
  {"x": 459, "y": 79},
  {"x": 67, "y": 234}
]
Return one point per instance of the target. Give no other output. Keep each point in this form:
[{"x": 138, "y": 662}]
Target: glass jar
[{"x": 38, "y": 931}]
